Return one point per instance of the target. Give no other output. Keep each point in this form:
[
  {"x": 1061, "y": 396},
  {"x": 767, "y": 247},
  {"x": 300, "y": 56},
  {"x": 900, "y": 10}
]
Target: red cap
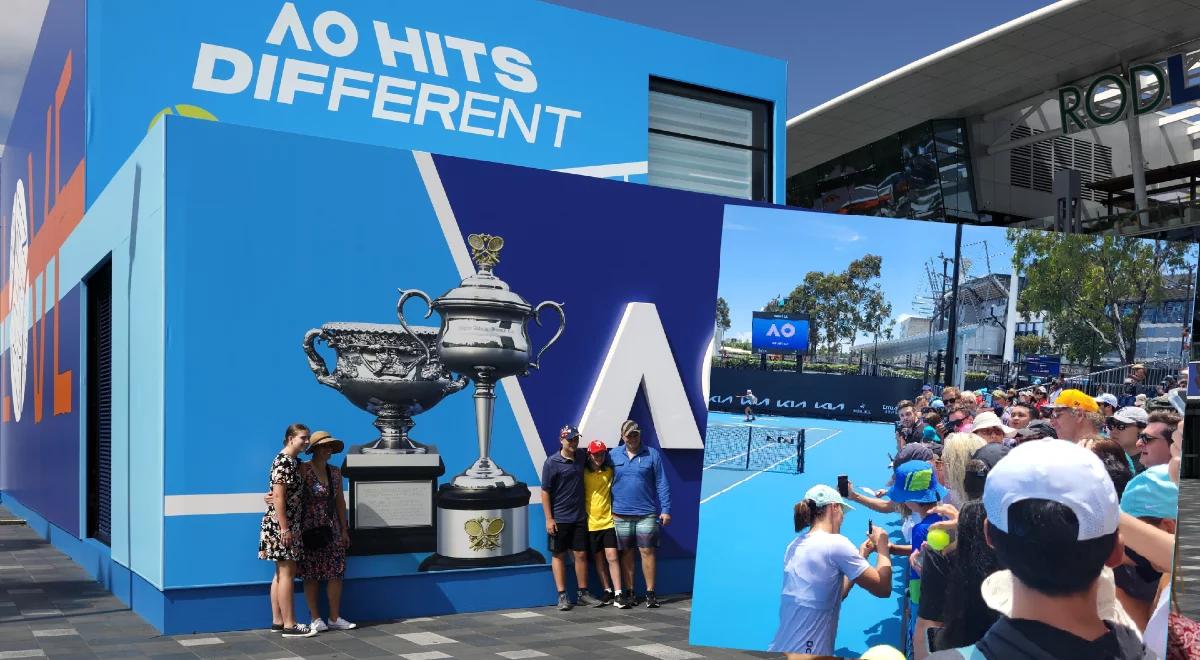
[{"x": 596, "y": 447}]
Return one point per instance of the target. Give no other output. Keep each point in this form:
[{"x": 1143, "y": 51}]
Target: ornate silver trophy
[
  {"x": 482, "y": 514},
  {"x": 387, "y": 371}
]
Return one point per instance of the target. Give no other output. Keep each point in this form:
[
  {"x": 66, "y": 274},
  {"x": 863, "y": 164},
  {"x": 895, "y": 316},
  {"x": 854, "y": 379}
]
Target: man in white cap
[
  {"x": 1052, "y": 517},
  {"x": 1124, "y": 427},
  {"x": 1108, "y": 404}
]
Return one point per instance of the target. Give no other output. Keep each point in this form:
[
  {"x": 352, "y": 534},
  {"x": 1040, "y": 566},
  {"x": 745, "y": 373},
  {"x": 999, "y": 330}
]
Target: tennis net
[{"x": 754, "y": 448}]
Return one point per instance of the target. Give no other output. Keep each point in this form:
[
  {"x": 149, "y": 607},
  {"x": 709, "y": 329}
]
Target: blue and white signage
[
  {"x": 1043, "y": 366},
  {"x": 779, "y": 333}
]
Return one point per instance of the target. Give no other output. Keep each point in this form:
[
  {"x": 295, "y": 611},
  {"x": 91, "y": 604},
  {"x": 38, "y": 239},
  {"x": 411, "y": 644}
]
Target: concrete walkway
[{"x": 50, "y": 608}]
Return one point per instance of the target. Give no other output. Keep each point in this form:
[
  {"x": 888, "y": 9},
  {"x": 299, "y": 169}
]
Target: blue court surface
[{"x": 746, "y": 524}]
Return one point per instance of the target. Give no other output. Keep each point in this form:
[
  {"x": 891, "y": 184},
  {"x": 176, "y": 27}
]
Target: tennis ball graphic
[
  {"x": 938, "y": 539},
  {"x": 183, "y": 110}
]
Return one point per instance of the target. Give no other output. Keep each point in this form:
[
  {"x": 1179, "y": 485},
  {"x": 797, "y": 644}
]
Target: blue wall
[
  {"x": 242, "y": 294},
  {"x": 595, "y": 66}
]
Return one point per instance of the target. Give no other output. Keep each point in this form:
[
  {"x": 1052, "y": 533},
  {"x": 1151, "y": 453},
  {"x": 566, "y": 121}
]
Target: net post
[
  {"x": 749, "y": 442},
  {"x": 800, "y": 448}
]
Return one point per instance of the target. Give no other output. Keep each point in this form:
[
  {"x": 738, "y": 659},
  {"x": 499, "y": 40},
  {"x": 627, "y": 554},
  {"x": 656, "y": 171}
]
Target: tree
[
  {"x": 839, "y": 305},
  {"x": 723, "y": 321},
  {"x": 1093, "y": 290},
  {"x": 1032, "y": 345}
]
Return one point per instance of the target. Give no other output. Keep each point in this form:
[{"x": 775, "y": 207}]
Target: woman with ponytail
[{"x": 819, "y": 568}]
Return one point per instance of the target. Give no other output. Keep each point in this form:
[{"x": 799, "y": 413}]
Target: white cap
[
  {"x": 1058, "y": 471},
  {"x": 988, "y": 420},
  {"x": 1110, "y": 399},
  {"x": 1132, "y": 415}
]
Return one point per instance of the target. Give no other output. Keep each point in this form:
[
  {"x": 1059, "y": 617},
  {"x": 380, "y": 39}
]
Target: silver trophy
[
  {"x": 388, "y": 371},
  {"x": 482, "y": 513}
]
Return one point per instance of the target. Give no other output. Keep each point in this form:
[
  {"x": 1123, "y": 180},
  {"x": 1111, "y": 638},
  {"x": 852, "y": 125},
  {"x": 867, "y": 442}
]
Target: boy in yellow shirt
[{"x": 602, "y": 535}]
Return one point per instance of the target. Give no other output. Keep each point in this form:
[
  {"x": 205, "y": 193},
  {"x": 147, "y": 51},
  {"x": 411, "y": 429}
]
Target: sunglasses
[
  {"x": 1121, "y": 426},
  {"x": 1146, "y": 438}
]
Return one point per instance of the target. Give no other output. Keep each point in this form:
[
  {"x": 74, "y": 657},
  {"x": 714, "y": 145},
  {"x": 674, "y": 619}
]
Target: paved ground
[
  {"x": 50, "y": 608},
  {"x": 1188, "y": 540}
]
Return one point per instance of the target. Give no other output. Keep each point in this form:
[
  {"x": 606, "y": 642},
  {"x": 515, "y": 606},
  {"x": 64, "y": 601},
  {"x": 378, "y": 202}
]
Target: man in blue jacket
[{"x": 641, "y": 502}]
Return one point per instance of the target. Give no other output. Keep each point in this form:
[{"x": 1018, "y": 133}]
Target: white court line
[{"x": 729, "y": 488}]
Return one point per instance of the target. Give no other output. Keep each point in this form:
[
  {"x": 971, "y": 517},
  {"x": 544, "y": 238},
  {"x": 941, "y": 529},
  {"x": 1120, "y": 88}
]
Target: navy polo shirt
[{"x": 562, "y": 479}]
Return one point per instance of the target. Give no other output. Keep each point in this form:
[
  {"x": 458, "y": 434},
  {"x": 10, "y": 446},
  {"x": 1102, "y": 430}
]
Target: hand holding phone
[{"x": 843, "y": 485}]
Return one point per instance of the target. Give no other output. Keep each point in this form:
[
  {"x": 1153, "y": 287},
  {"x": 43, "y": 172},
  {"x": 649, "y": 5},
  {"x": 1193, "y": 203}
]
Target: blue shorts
[{"x": 637, "y": 532}]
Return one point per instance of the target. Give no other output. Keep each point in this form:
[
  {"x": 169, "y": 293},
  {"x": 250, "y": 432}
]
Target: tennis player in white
[
  {"x": 819, "y": 568},
  {"x": 749, "y": 400}
]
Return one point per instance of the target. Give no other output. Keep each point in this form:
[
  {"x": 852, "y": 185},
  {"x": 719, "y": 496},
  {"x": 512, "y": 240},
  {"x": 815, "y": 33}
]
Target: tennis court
[{"x": 746, "y": 523}]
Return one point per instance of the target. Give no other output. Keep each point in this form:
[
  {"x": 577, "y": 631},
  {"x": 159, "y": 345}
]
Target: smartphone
[
  {"x": 844, "y": 485},
  {"x": 931, "y": 635},
  {"x": 870, "y": 529}
]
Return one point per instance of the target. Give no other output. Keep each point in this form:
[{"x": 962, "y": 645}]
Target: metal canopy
[
  {"x": 1159, "y": 175},
  {"x": 1016, "y": 62}
]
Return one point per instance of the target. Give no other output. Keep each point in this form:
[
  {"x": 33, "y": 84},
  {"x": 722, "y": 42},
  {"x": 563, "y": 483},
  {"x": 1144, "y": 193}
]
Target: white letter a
[{"x": 641, "y": 357}]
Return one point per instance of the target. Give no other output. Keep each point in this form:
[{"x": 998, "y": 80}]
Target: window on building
[
  {"x": 707, "y": 141},
  {"x": 99, "y": 403},
  {"x": 922, "y": 172}
]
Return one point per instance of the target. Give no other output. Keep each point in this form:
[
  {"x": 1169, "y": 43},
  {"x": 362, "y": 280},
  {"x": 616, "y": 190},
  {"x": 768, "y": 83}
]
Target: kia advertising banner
[{"x": 810, "y": 395}]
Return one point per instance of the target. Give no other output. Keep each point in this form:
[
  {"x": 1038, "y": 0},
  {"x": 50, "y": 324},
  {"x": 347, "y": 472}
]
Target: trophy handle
[
  {"x": 405, "y": 294},
  {"x": 316, "y": 362},
  {"x": 562, "y": 323}
]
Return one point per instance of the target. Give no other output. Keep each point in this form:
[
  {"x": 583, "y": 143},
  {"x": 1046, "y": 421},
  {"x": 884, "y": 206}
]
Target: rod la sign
[{"x": 1080, "y": 110}]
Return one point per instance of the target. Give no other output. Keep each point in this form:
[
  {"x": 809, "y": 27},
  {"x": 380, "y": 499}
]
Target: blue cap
[
  {"x": 916, "y": 482},
  {"x": 930, "y": 435},
  {"x": 938, "y": 404},
  {"x": 1152, "y": 494}
]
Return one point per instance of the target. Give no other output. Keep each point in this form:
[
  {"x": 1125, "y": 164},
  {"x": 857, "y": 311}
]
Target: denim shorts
[{"x": 637, "y": 532}]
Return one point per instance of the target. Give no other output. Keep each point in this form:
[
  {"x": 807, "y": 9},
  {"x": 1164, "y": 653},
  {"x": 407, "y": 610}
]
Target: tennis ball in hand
[{"x": 938, "y": 539}]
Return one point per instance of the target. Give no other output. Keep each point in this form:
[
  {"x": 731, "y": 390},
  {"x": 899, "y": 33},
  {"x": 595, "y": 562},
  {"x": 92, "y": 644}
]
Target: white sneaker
[
  {"x": 318, "y": 625},
  {"x": 342, "y": 624}
]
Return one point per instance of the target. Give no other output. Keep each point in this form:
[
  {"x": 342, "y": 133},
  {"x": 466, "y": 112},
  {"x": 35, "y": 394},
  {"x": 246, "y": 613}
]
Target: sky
[
  {"x": 830, "y": 47},
  {"x": 765, "y": 252}
]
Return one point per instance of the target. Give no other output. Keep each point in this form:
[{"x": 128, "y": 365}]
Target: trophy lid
[{"x": 484, "y": 289}]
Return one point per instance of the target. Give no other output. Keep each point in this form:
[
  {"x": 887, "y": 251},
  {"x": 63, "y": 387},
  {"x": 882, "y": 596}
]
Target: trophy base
[
  {"x": 391, "y": 500},
  {"x": 376, "y": 449},
  {"x": 482, "y": 528},
  {"x": 436, "y": 562}
]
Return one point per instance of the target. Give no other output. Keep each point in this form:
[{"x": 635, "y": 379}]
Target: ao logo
[
  {"x": 787, "y": 330},
  {"x": 18, "y": 294}
]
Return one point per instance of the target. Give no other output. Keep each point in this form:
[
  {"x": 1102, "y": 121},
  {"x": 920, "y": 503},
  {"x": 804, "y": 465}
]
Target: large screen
[{"x": 779, "y": 333}]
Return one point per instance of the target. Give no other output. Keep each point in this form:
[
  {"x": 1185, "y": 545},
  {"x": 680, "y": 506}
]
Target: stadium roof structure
[{"x": 1001, "y": 69}]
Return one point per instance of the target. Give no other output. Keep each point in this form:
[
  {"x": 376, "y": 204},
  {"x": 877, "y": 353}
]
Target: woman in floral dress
[
  {"x": 324, "y": 510},
  {"x": 279, "y": 535}
]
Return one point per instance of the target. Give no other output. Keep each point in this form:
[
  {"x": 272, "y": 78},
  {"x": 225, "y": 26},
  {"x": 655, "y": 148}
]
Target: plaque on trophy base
[
  {"x": 391, "y": 500},
  {"x": 482, "y": 528}
]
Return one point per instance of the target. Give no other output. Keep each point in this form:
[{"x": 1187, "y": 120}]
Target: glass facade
[
  {"x": 923, "y": 172},
  {"x": 707, "y": 141}
]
